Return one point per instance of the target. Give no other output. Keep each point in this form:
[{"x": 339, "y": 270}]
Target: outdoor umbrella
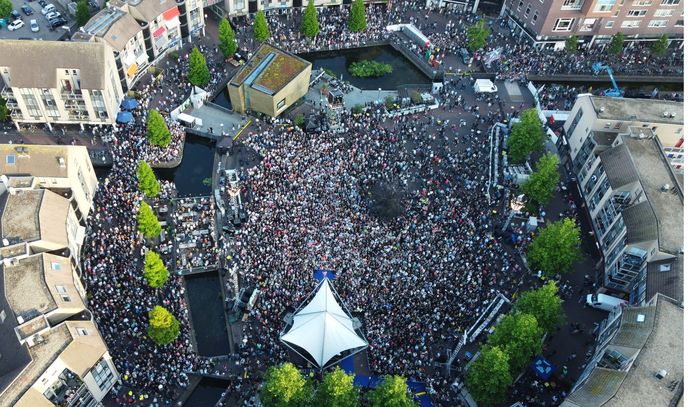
[
  {"x": 124, "y": 117},
  {"x": 128, "y": 104}
]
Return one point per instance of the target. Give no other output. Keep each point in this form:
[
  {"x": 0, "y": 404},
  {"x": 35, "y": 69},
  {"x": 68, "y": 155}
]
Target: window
[
  {"x": 636, "y": 13},
  {"x": 62, "y": 291},
  {"x": 604, "y": 5},
  {"x": 631, "y": 24},
  {"x": 663, "y": 12},
  {"x": 520, "y": 5},
  {"x": 281, "y": 103},
  {"x": 669, "y": 2},
  {"x": 657, "y": 23},
  {"x": 527, "y": 11},
  {"x": 82, "y": 332},
  {"x": 574, "y": 122},
  {"x": 609, "y": 24},
  {"x": 588, "y": 24},
  {"x": 55, "y": 266},
  {"x": 3, "y": 315},
  {"x": 563, "y": 24},
  {"x": 102, "y": 375},
  {"x": 10, "y": 160},
  {"x": 643, "y": 2},
  {"x": 572, "y": 5},
  {"x": 679, "y": 23},
  {"x": 534, "y": 17}
]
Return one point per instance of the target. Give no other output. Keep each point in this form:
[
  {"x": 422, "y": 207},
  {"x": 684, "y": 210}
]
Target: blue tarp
[
  {"x": 124, "y": 117},
  {"x": 319, "y": 274},
  {"x": 543, "y": 368},
  {"x": 347, "y": 364},
  {"x": 128, "y": 104}
]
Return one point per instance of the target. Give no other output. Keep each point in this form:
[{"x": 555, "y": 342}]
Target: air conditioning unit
[{"x": 661, "y": 373}]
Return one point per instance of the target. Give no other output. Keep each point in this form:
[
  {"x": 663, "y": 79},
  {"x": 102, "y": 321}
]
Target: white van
[
  {"x": 484, "y": 86},
  {"x": 605, "y": 302}
]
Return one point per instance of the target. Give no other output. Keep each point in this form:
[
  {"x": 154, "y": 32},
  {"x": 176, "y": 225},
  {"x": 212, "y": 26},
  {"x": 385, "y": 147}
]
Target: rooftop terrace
[{"x": 274, "y": 75}]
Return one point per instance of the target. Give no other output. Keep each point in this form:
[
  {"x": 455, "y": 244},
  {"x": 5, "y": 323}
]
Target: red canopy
[
  {"x": 171, "y": 13},
  {"x": 159, "y": 31}
]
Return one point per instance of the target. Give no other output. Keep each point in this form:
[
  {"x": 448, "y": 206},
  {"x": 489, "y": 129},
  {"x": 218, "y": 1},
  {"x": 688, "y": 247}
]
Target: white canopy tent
[{"x": 322, "y": 328}]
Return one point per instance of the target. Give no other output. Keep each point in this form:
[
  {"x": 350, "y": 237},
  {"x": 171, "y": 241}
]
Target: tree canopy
[
  {"x": 544, "y": 304},
  {"x": 309, "y": 23},
  {"x": 519, "y": 336},
  {"x": 356, "y": 21},
  {"x": 198, "y": 73},
  {"x": 284, "y": 386},
  {"x": 146, "y": 180},
  {"x": 489, "y": 377},
  {"x": 616, "y": 44},
  {"x": 660, "y": 46},
  {"x": 477, "y": 35},
  {"x": 82, "y": 13},
  {"x": 556, "y": 247},
  {"x": 571, "y": 44},
  {"x": 147, "y": 222},
  {"x": 336, "y": 390},
  {"x": 390, "y": 393},
  {"x": 157, "y": 131},
  {"x": 261, "y": 31},
  {"x": 526, "y": 136},
  {"x": 543, "y": 182},
  {"x": 4, "y": 111},
  {"x": 163, "y": 326},
  {"x": 155, "y": 271},
  {"x": 227, "y": 38},
  {"x": 5, "y": 8}
]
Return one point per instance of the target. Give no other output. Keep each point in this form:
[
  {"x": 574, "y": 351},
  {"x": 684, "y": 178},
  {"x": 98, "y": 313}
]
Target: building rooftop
[
  {"x": 151, "y": 9},
  {"x": 37, "y": 160},
  {"x": 15, "y": 357},
  {"x": 270, "y": 69},
  {"x": 666, "y": 277},
  {"x": 115, "y": 26},
  {"x": 641, "y": 224},
  {"x": 659, "y": 345},
  {"x": 20, "y": 215},
  {"x": 618, "y": 166},
  {"x": 29, "y": 67},
  {"x": 644, "y": 110},
  {"x": 26, "y": 289}
]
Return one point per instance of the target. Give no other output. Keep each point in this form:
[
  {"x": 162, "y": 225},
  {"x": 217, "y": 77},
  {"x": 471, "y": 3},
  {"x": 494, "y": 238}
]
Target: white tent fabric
[{"x": 322, "y": 328}]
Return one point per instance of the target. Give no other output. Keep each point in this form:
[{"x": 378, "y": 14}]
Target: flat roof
[
  {"x": 643, "y": 110},
  {"x": 274, "y": 75},
  {"x": 15, "y": 357},
  {"x": 115, "y": 26},
  {"x": 654, "y": 172},
  {"x": 26, "y": 290},
  {"x": 20, "y": 215},
  {"x": 36, "y": 160}
]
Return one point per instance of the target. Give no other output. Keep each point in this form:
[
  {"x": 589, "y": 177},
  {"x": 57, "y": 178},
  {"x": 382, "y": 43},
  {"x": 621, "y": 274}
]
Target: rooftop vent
[
  {"x": 602, "y": 109},
  {"x": 61, "y": 162},
  {"x": 666, "y": 114},
  {"x": 665, "y": 188},
  {"x": 661, "y": 373},
  {"x": 640, "y": 318}
]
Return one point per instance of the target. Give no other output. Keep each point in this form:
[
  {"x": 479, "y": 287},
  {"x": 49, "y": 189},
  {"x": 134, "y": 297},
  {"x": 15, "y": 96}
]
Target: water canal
[
  {"x": 207, "y": 313},
  {"x": 207, "y": 393},
  {"x": 190, "y": 177}
]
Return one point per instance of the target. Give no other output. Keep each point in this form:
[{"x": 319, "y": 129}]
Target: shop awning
[
  {"x": 171, "y": 24},
  {"x": 171, "y": 13},
  {"x": 159, "y": 31},
  {"x": 132, "y": 69}
]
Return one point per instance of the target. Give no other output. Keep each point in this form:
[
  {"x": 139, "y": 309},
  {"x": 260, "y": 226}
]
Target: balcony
[
  {"x": 71, "y": 94},
  {"x": 7, "y": 93}
]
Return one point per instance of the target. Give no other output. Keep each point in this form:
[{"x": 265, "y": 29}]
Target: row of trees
[
  {"x": 516, "y": 339},
  {"x": 284, "y": 386}
]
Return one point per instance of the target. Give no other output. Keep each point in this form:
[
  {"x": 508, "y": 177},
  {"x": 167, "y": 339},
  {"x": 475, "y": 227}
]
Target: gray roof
[
  {"x": 115, "y": 26},
  {"x": 618, "y": 166},
  {"x": 151, "y": 9},
  {"x": 670, "y": 283},
  {"x": 14, "y": 356},
  {"x": 35, "y": 64},
  {"x": 644, "y": 110},
  {"x": 641, "y": 224},
  {"x": 20, "y": 215},
  {"x": 26, "y": 289}
]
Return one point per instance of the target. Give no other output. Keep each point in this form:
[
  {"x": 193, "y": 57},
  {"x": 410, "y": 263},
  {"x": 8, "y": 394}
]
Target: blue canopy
[
  {"x": 124, "y": 117},
  {"x": 320, "y": 274},
  {"x": 128, "y": 104},
  {"x": 543, "y": 368}
]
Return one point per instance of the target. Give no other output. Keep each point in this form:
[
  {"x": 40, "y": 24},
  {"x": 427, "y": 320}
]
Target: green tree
[
  {"x": 198, "y": 74},
  {"x": 147, "y": 222},
  {"x": 489, "y": 377},
  {"x": 155, "y": 271},
  {"x": 309, "y": 22},
  {"x": 5, "y": 8},
  {"x": 556, "y": 247},
  {"x": 477, "y": 35},
  {"x": 571, "y": 45},
  {"x": 544, "y": 304},
  {"x": 227, "y": 38},
  {"x": 519, "y": 336},
  {"x": 261, "y": 31},
  {"x": 4, "y": 111},
  {"x": 285, "y": 387},
  {"x": 356, "y": 21},
  {"x": 616, "y": 44},
  {"x": 163, "y": 326},
  {"x": 146, "y": 180},
  {"x": 157, "y": 131},
  {"x": 390, "y": 393},
  {"x": 660, "y": 47},
  {"x": 336, "y": 390},
  {"x": 82, "y": 13},
  {"x": 526, "y": 137},
  {"x": 541, "y": 185},
  {"x": 299, "y": 120}
]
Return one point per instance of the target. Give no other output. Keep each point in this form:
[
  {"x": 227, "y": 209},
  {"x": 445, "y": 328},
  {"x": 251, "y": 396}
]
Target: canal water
[
  {"x": 192, "y": 176},
  {"x": 207, "y": 313},
  {"x": 404, "y": 71},
  {"x": 208, "y": 392}
]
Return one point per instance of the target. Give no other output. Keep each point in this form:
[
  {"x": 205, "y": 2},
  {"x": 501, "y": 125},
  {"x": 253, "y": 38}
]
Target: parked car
[
  {"x": 52, "y": 15},
  {"x": 55, "y": 23},
  {"x": 49, "y": 8},
  {"x": 34, "y": 26},
  {"x": 27, "y": 10},
  {"x": 16, "y": 15},
  {"x": 43, "y": 3},
  {"x": 15, "y": 25},
  {"x": 605, "y": 302}
]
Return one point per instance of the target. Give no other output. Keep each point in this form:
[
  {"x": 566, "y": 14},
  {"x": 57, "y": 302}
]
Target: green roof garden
[{"x": 278, "y": 73}]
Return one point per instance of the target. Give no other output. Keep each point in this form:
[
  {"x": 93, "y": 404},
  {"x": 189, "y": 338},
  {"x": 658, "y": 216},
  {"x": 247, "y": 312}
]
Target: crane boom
[{"x": 615, "y": 92}]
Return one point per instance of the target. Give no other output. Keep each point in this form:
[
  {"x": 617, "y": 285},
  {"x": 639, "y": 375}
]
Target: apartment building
[
  {"x": 551, "y": 22},
  {"x": 52, "y": 352},
  {"x": 59, "y": 82},
  {"x": 638, "y": 359},
  {"x": 633, "y": 196}
]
